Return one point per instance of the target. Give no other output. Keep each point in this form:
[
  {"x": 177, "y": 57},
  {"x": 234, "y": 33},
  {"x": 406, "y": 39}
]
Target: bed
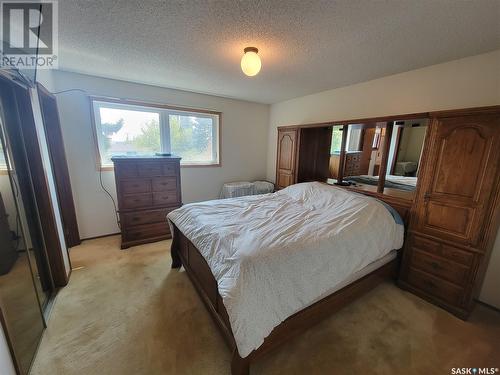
[
  {"x": 391, "y": 181},
  {"x": 269, "y": 266}
]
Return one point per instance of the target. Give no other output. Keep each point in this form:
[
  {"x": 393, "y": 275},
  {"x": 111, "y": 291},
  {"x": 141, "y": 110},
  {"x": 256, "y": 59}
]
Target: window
[
  {"x": 336, "y": 140},
  {"x": 126, "y": 128},
  {"x": 353, "y": 138}
]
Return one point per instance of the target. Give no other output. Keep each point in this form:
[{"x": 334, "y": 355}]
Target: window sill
[
  {"x": 200, "y": 165},
  {"x": 111, "y": 168}
]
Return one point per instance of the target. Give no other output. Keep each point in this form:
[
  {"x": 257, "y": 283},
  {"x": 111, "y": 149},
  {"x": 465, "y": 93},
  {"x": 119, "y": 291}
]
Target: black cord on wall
[{"x": 117, "y": 217}]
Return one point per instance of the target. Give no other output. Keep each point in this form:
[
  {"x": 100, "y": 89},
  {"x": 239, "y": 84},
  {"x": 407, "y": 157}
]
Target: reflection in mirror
[
  {"x": 335, "y": 149},
  {"x": 19, "y": 302},
  {"x": 405, "y": 152},
  {"x": 365, "y": 149},
  {"x": 364, "y": 152}
]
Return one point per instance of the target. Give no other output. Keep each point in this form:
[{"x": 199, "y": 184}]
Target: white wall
[
  {"x": 490, "y": 293},
  {"x": 243, "y": 155},
  {"x": 6, "y": 364},
  {"x": 469, "y": 82}
]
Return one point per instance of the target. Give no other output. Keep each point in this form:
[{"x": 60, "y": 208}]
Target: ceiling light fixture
[{"x": 250, "y": 62}]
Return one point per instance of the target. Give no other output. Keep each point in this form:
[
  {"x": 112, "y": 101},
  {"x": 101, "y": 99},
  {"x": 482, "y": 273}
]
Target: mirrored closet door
[
  {"x": 21, "y": 289},
  {"x": 25, "y": 280}
]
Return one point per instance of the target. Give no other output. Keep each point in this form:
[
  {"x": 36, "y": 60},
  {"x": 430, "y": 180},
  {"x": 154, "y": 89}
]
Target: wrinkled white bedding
[{"x": 275, "y": 254}]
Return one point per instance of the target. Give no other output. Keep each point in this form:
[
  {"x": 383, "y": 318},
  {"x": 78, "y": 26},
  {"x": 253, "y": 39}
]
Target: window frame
[{"x": 154, "y": 107}]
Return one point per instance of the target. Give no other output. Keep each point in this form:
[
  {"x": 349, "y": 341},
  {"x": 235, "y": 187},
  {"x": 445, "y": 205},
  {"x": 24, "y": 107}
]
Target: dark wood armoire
[{"x": 455, "y": 212}]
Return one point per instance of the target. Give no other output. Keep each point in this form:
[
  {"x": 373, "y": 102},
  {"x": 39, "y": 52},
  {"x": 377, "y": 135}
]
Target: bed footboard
[
  {"x": 174, "y": 251},
  {"x": 185, "y": 253}
]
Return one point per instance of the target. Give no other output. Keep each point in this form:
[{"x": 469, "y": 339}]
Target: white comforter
[{"x": 274, "y": 254}]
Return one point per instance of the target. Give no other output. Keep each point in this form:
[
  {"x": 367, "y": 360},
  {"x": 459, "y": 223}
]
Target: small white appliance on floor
[{"x": 242, "y": 188}]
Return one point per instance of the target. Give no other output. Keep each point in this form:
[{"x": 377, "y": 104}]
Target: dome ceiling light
[{"x": 250, "y": 62}]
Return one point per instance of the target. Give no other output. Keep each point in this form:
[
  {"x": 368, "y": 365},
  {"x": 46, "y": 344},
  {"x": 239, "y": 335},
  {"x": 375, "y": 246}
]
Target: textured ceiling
[{"x": 305, "y": 46}]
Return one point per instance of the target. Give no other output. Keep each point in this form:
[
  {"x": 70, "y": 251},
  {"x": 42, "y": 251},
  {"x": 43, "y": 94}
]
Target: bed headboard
[{"x": 401, "y": 205}]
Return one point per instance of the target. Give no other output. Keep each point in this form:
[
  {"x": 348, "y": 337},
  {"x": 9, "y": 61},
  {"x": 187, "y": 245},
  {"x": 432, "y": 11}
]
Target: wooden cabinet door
[
  {"x": 285, "y": 165},
  {"x": 459, "y": 178}
]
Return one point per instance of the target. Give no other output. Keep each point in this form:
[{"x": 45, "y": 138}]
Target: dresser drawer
[
  {"x": 457, "y": 255},
  {"x": 435, "y": 287},
  {"x": 137, "y": 200},
  {"x": 135, "y": 186},
  {"x": 128, "y": 170},
  {"x": 145, "y": 217},
  {"x": 440, "y": 267},
  {"x": 170, "y": 169},
  {"x": 150, "y": 170},
  {"x": 445, "y": 251},
  {"x": 164, "y": 183},
  {"x": 425, "y": 244},
  {"x": 146, "y": 231},
  {"x": 165, "y": 198}
]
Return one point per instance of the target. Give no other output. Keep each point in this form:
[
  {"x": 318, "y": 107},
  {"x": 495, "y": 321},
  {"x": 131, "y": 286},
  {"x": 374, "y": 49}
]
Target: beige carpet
[
  {"x": 127, "y": 312},
  {"x": 21, "y": 310}
]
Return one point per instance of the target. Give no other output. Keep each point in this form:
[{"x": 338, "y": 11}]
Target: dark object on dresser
[{"x": 148, "y": 188}]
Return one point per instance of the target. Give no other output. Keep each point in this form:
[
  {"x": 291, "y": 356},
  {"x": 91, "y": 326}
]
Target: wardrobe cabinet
[
  {"x": 285, "y": 166},
  {"x": 453, "y": 217},
  {"x": 455, "y": 211},
  {"x": 352, "y": 163},
  {"x": 303, "y": 155}
]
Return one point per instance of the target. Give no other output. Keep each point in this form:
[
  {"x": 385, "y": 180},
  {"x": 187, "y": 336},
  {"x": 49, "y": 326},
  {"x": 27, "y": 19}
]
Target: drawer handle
[{"x": 135, "y": 219}]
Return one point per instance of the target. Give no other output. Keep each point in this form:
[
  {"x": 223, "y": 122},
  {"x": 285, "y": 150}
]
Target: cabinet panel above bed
[{"x": 303, "y": 155}]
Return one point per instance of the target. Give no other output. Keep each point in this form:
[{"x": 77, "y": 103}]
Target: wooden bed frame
[{"x": 185, "y": 253}]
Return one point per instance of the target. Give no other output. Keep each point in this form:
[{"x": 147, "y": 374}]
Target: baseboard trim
[
  {"x": 101, "y": 236},
  {"x": 488, "y": 305}
]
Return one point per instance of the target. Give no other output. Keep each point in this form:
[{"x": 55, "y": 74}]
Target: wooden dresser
[
  {"x": 352, "y": 166},
  {"x": 148, "y": 188},
  {"x": 455, "y": 213}
]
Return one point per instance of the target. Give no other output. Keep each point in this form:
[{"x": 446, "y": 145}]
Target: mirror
[
  {"x": 363, "y": 159},
  {"x": 405, "y": 152},
  {"x": 21, "y": 289},
  {"x": 335, "y": 148},
  {"x": 364, "y": 149}
]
